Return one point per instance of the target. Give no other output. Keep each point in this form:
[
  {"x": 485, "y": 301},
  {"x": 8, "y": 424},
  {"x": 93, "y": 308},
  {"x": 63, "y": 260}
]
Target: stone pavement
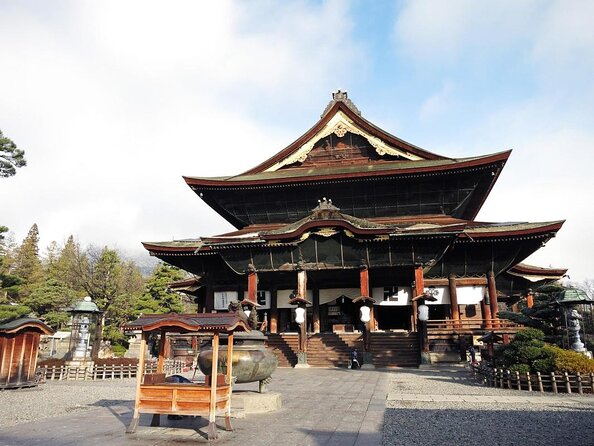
[{"x": 327, "y": 407}]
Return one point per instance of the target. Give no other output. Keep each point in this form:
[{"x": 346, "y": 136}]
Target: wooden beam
[
  {"x": 212, "y": 410},
  {"x": 161, "y": 360},
  {"x": 460, "y": 281}
]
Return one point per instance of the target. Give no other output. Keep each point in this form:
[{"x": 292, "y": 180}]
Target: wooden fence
[
  {"x": 119, "y": 371},
  {"x": 471, "y": 324},
  {"x": 535, "y": 382}
]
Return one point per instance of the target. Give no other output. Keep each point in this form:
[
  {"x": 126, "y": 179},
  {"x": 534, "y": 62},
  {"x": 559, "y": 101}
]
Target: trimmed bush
[{"x": 570, "y": 361}]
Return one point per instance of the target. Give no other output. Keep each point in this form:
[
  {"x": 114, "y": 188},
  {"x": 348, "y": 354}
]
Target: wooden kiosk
[
  {"x": 155, "y": 395},
  {"x": 19, "y": 344}
]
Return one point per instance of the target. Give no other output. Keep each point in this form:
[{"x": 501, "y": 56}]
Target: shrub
[
  {"x": 118, "y": 350},
  {"x": 570, "y": 361}
]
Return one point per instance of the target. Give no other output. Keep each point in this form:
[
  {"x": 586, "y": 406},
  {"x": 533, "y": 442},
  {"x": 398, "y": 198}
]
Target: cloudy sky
[{"x": 113, "y": 101}]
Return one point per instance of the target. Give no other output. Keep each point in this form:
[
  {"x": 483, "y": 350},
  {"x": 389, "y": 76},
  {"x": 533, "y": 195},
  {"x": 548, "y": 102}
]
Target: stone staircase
[
  {"x": 391, "y": 349},
  {"x": 395, "y": 349},
  {"x": 332, "y": 349},
  {"x": 285, "y": 346}
]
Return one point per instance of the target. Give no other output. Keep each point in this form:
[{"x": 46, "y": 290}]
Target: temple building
[{"x": 349, "y": 215}]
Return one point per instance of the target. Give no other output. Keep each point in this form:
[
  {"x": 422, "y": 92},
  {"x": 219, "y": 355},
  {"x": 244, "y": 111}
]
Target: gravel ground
[
  {"x": 531, "y": 419},
  {"x": 56, "y": 398}
]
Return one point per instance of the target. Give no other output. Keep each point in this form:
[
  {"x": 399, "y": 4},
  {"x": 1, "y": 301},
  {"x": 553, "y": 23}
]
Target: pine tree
[
  {"x": 157, "y": 297},
  {"x": 27, "y": 265},
  {"x": 11, "y": 158}
]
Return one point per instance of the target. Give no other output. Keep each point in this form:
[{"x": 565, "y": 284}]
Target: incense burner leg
[
  {"x": 228, "y": 426},
  {"x": 212, "y": 431},
  {"x": 134, "y": 423}
]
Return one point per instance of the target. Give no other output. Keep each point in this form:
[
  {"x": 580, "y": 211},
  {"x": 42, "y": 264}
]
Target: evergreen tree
[
  {"x": 27, "y": 265},
  {"x": 50, "y": 301},
  {"x": 8, "y": 281},
  {"x": 11, "y": 158},
  {"x": 157, "y": 297},
  {"x": 545, "y": 315}
]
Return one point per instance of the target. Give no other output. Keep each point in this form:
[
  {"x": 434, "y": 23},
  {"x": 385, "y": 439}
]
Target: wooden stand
[{"x": 154, "y": 395}]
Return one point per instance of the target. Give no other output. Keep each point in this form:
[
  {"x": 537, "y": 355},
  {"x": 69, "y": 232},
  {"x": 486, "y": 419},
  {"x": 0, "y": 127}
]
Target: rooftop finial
[{"x": 341, "y": 96}]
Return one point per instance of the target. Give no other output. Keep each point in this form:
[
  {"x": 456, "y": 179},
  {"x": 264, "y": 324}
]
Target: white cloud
[
  {"x": 114, "y": 101},
  {"x": 436, "y": 104}
]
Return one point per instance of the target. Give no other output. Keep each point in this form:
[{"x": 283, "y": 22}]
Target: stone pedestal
[
  {"x": 247, "y": 402},
  {"x": 367, "y": 361},
  {"x": 301, "y": 361}
]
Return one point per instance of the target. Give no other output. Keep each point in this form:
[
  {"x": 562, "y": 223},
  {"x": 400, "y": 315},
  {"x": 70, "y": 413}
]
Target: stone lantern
[
  {"x": 569, "y": 299},
  {"x": 84, "y": 318}
]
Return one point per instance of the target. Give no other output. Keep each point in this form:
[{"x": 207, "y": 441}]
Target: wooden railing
[
  {"x": 535, "y": 382},
  {"x": 471, "y": 324},
  {"x": 114, "y": 371}
]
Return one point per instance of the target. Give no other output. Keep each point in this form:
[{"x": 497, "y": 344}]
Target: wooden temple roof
[
  {"x": 305, "y": 175},
  {"x": 323, "y": 221},
  {"x": 25, "y": 323},
  {"x": 536, "y": 273},
  {"x": 183, "y": 323}
]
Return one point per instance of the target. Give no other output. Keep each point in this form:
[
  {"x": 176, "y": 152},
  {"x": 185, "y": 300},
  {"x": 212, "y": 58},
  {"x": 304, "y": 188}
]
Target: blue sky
[{"x": 114, "y": 100}]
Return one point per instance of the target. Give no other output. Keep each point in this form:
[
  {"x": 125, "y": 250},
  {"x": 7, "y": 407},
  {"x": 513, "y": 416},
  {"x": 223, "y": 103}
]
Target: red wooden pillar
[
  {"x": 486, "y": 312},
  {"x": 454, "y": 308},
  {"x": 365, "y": 292},
  {"x": 316, "y": 310},
  {"x": 273, "y": 311},
  {"x": 529, "y": 299},
  {"x": 302, "y": 292},
  {"x": 493, "y": 297},
  {"x": 252, "y": 286},
  {"x": 419, "y": 289}
]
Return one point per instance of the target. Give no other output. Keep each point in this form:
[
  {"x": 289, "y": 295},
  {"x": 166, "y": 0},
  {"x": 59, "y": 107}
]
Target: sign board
[{"x": 222, "y": 299}]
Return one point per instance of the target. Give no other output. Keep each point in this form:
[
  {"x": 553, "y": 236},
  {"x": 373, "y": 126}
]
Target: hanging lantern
[
  {"x": 423, "y": 312},
  {"x": 364, "y": 313},
  {"x": 300, "y": 315}
]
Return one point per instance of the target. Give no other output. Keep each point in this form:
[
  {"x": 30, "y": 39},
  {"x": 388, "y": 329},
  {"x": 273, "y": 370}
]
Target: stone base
[
  {"x": 248, "y": 402},
  {"x": 302, "y": 361},
  {"x": 425, "y": 358},
  {"x": 437, "y": 357},
  {"x": 80, "y": 363},
  {"x": 302, "y": 366},
  {"x": 367, "y": 361}
]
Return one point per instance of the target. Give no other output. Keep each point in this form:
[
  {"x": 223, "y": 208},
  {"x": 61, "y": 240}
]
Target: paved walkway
[{"x": 328, "y": 407}]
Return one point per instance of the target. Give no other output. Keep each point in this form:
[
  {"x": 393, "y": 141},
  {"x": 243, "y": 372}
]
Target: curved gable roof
[{"x": 338, "y": 118}]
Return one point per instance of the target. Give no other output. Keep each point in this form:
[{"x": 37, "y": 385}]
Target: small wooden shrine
[
  {"x": 157, "y": 396},
  {"x": 19, "y": 345}
]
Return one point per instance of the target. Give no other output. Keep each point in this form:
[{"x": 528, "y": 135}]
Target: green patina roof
[
  {"x": 85, "y": 306},
  {"x": 573, "y": 296}
]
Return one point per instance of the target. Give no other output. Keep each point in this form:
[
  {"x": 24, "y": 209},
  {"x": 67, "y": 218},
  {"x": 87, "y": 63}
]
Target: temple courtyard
[{"x": 435, "y": 405}]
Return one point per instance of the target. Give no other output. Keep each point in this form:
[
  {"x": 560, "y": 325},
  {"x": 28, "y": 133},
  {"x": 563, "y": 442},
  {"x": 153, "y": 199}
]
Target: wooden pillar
[
  {"x": 316, "y": 310},
  {"x": 493, "y": 297},
  {"x": 273, "y": 311},
  {"x": 229, "y": 380},
  {"x": 366, "y": 292},
  {"x": 162, "y": 346},
  {"x": 454, "y": 308},
  {"x": 209, "y": 301},
  {"x": 252, "y": 286},
  {"x": 139, "y": 377},
  {"x": 486, "y": 312},
  {"x": 302, "y": 292},
  {"x": 529, "y": 299},
  {"x": 419, "y": 289},
  {"x": 212, "y": 408}
]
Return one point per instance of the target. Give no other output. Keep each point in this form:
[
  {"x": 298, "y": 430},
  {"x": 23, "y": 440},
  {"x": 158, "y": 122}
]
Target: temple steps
[{"x": 333, "y": 349}]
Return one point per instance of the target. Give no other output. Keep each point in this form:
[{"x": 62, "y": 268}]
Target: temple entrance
[
  {"x": 393, "y": 317},
  {"x": 339, "y": 314}
]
